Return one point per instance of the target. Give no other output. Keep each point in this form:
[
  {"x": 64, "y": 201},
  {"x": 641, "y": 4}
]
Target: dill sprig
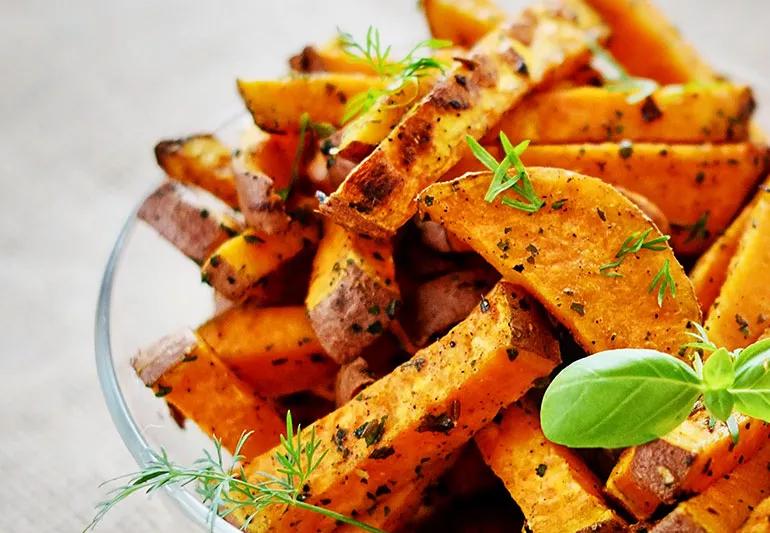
[
  {"x": 225, "y": 489},
  {"x": 617, "y": 79},
  {"x": 664, "y": 281},
  {"x": 699, "y": 228},
  {"x": 321, "y": 130},
  {"x": 701, "y": 342},
  {"x": 634, "y": 243},
  {"x": 502, "y": 180},
  {"x": 407, "y": 70}
]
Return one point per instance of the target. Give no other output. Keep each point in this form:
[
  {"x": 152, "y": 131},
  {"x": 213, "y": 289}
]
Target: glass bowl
[{"x": 150, "y": 289}]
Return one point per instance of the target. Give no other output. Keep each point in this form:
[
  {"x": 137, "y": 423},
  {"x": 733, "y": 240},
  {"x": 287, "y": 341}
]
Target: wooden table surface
[{"x": 86, "y": 90}]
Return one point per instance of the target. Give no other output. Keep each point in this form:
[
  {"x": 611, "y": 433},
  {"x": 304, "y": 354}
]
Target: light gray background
[{"x": 86, "y": 88}]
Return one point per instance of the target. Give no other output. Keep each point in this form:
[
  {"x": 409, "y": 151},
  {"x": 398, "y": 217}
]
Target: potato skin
[
  {"x": 192, "y": 220},
  {"x": 352, "y": 378}
]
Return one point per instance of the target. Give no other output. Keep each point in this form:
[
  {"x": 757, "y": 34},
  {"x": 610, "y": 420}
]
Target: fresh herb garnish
[
  {"x": 403, "y": 72},
  {"x": 321, "y": 131},
  {"x": 626, "y": 397},
  {"x": 699, "y": 228},
  {"x": 663, "y": 280},
  {"x": 502, "y": 180},
  {"x": 225, "y": 489},
  {"x": 617, "y": 79},
  {"x": 634, "y": 243}
]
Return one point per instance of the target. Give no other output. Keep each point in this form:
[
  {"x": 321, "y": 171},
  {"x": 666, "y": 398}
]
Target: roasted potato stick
[
  {"x": 727, "y": 504},
  {"x": 710, "y": 270},
  {"x": 240, "y": 266},
  {"x": 742, "y": 310},
  {"x": 463, "y": 22},
  {"x": 272, "y": 349},
  {"x": 673, "y": 114},
  {"x": 554, "y": 488},
  {"x": 686, "y": 461},
  {"x": 700, "y": 188},
  {"x": 455, "y": 387},
  {"x": 199, "y": 160},
  {"x": 378, "y": 195},
  {"x": 556, "y": 254},
  {"x": 186, "y": 373},
  {"x": 191, "y": 219},
  {"x": 759, "y": 519},
  {"x": 647, "y": 45},
  {"x": 277, "y": 105},
  {"x": 353, "y": 294}
]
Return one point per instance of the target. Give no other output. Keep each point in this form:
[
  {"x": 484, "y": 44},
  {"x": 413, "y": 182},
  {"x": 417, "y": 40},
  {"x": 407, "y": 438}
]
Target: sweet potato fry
[
  {"x": 727, "y": 504},
  {"x": 185, "y": 372},
  {"x": 378, "y": 195},
  {"x": 272, "y": 349},
  {"x": 646, "y": 43},
  {"x": 686, "y": 461},
  {"x": 742, "y": 309},
  {"x": 439, "y": 304},
  {"x": 554, "y": 488},
  {"x": 352, "y": 378},
  {"x": 556, "y": 254},
  {"x": 199, "y": 160},
  {"x": 718, "y": 112},
  {"x": 463, "y": 22},
  {"x": 700, "y": 188},
  {"x": 277, "y": 105},
  {"x": 353, "y": 294},
  {"x": 452, "y": 389},
  {"x": 759, "y": 519},
  {"x": 191, "y": 219},
  {"x": 710, "y": 270},
  {"x": 240, "y": 266}
]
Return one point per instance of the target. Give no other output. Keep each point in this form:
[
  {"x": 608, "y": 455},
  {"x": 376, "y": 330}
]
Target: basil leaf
[
  {"x": 618, "y": 398},
  {"x": 718, "y": 372},
  {"x": 751, "y": 388},
  {"x": 719, "y": 403}
]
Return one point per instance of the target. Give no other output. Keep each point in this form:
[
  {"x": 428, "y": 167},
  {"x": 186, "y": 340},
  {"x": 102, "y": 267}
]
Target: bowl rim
[{"x": 121, "y": 416}]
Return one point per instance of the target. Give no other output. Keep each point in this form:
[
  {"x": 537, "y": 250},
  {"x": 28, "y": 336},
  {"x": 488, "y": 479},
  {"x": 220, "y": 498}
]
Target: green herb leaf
[
  {"x": 664, "y": 281},
  {"x": 225, "y": 489},
  {"x": 718, "y": 372},
  {"x": 405, "y": 71},
  {"x": 618, "y": 398},
  {"x": 751, "y": 387},
  {"x": 634, "y": 243},
  {"x": 719, "y": 403}
]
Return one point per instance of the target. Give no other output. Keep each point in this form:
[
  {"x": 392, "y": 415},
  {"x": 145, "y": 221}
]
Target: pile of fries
[{"x": 403, "y": 249}]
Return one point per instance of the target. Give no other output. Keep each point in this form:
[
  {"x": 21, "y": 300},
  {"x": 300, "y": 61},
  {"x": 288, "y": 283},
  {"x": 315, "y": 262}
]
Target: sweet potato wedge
[
  {"x": 710, "y": 270},
  {"x": 277, "y": 105},
  {"x": 555, "y": 490},
  {"x": 686, "y": 461},
  {"x": 240, "y": 266},
  {"x": 199, "y": 160},
  {"x": 556, "y": 254},
  {"x": 647, "y": 45},
  {"x": 451, "y": 389},
  {"x": 673, "y": 114},
  {"x": 353, "y": 294},
  {"x": 191, "y": 219},
  {"x": 352, "y": 378},
  {"x": 742, "y": 310},
  {"x": 700, "y": 188},
  {"x": 727, "y": 504},
  {"x": 439, "y": 304},
  {"x": 262, "y": 167},
  {"x": 272, "y": 349},
  {"x": 759, "y": 519},
  {"x": 329, "y": 57},
  {"x": 186, "y": 373},
  {"x": 378, "y": 195},
  {"x": 463, "y": 22}
]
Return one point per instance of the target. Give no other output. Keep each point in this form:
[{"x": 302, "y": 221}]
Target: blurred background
[{"x": 87, "y": 89}]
